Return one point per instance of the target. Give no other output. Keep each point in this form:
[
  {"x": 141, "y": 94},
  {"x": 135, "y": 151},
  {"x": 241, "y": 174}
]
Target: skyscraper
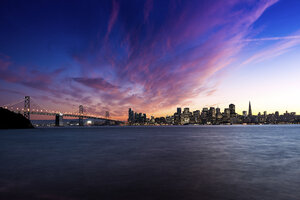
[
  {"x": 232, "y": 109},
  {"x": 186, "y": 116},
  {"x": 218, "y": 110},
  {"x": 130, "y": 115},
  {"x": 227, "y": 113},
  {"x": 186, "y": 110},
  {"x": 212, "y": 113},
  {"x": 179, "y": 111},
  {"x": 177, "y": 116},
  {"x": 250, "y": 110}
]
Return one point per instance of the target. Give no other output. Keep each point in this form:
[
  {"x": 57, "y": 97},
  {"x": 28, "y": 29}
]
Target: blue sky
[{"x": 151, "y": 55}]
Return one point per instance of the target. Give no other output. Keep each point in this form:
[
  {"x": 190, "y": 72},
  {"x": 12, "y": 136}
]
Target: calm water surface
[{"x": 214, "y": 162}]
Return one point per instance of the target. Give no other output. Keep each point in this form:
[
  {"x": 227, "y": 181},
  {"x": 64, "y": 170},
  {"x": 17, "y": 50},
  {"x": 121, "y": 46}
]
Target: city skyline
[
  {"x": 151, "y": 55},
  {"x": 237, "y": 110},
  {"x": 213, "y": 116}
]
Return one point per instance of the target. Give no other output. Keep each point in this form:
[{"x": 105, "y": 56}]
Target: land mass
[{"x": 11, "y": 120}]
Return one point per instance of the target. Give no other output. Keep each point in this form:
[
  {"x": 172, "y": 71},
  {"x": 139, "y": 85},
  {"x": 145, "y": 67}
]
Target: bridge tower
[
  {"x": 81, "y": 117},
  {"x": 107, "y": 114},
  {"x": 27, "y": 107}
]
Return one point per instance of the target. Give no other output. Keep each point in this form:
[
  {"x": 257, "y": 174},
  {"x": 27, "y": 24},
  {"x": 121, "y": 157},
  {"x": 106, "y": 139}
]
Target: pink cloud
[
  {"x": 156, "y": 62},
  {"x": 166, "y": 67}
]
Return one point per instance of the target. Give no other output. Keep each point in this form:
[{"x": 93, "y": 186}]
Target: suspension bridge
[{"x": 28, "y": 107}]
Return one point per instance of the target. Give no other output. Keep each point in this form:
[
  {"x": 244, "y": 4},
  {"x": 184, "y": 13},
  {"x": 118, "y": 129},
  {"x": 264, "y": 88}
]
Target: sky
[{"x": 152, "y": 55}]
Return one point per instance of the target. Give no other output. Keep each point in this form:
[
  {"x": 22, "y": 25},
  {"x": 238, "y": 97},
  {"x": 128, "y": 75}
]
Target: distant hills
[{"x": 11, "y": 120}]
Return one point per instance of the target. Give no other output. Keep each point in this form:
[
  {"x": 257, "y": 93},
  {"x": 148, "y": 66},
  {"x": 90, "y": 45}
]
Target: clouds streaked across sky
[{"x": 149, "y": 55}]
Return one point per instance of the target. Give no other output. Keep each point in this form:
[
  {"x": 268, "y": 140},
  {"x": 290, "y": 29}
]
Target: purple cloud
[
  {"x": 152, "y": 57},
  {"x": 113, "y": 17},
  {"x": 147, "y": 9},
  {"x": 96, "y": 83},
  {"x": 160, "y": 65}
]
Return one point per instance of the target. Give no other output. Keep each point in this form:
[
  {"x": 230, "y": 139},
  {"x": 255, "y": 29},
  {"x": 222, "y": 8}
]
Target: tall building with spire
[{"x": 250, "y": 110}]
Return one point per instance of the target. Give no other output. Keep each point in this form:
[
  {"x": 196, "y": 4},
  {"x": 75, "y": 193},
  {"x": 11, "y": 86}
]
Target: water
[{"x": 213, "y": 162}]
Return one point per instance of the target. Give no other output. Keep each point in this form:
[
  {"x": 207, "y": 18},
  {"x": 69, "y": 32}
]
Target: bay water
[{"x": 171, "y": 162}]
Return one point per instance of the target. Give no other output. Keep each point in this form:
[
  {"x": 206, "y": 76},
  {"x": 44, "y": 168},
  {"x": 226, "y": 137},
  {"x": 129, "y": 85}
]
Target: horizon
[
  {"x": 254, "y": 113},
  {"x": 150, "y": 55}
]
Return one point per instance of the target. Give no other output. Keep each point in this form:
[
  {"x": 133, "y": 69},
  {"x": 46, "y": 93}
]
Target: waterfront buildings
[
  {"x": 136, "y": 118},
  {"x": 213, "y": 116}
]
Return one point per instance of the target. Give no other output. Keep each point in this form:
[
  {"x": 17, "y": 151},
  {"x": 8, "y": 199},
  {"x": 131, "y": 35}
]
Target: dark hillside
[{"x": 11, "y": 120}]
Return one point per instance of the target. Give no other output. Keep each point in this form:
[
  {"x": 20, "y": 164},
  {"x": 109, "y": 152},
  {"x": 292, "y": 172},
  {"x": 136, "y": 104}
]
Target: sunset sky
[{"x": 152, "y": 56}]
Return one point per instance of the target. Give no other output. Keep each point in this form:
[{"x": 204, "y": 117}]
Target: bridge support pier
[{"x": 59, "y": 120}]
